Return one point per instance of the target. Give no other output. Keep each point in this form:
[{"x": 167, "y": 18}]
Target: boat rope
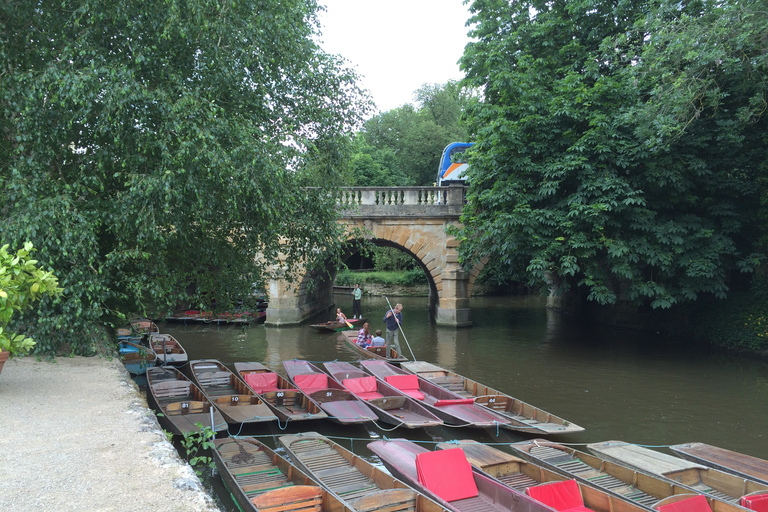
[
  {"x": 387, "y": 430},
  {"x": 281, "y": 427}
]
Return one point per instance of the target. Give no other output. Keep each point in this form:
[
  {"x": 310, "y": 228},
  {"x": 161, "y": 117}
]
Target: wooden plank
[{"x": 639, "y": 458}]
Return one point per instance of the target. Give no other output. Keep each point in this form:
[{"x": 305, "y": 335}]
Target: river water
[{"x": 617, "y": 384}]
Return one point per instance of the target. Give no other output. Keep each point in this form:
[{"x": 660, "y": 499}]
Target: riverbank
[{"x": 78, "y": 435}]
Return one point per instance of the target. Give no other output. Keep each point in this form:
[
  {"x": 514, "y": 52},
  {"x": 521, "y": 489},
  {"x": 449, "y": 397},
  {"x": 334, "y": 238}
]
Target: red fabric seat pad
[
  {"x": 560, "y": 496},
  {"x": 457, "y": 401},
  {"x": 696, "y": 503},
  {"x": 408, "y": 384},
  {"x": 757, "y": 502},
  {"x": 262, "y": 382},
  {"x": 311, "y": 382},
  {"x": 364, "y": 387},
  {"x": 447, "y": 474}
]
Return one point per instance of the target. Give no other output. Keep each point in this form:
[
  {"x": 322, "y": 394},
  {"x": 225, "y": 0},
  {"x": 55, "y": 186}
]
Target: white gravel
[{"x": 77, "y": 435}]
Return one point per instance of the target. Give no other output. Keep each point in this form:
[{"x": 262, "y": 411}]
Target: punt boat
[
  {"x": 446, "y": 405},
  {"x": 168, "y": 349},
  {"x": 236, "y": 401},
  {"x": 391, "y": 405},
  {"x": 359, "y": 484},
  {"x": 523, "y": 417},
  {"x": 340, "y": 405},
  {"x": 350, "y": 338},
  {"x": 736, "y": 463},
  {"x": 136, "y": 358},
  {"x": 334, "y": 326},
  {"x": 285, "y": 401},
  {"x": 181, "y": 405}
]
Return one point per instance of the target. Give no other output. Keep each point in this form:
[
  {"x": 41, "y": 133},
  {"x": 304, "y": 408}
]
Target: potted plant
[{"x": 22, "y": 283}]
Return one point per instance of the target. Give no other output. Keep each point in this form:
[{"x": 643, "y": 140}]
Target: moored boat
[
  {"x": 340, "y": 405},
  {"x": 286, "y": 402},
  {"x": 718, "y": 484},
  {"x": 736, "y": 463},
  {"x": 447, "y": 477},
  {"x": 523, "y": 417},
  {"x": 334, "y": 326},
  {"x": 350, "y": 338},
  {"x": 359, "y": 484},
  {"x": 391, "y": 405},
  {"x": 647, "y": 490},
  {"x": 236, "y": 401},
  {"x": 260, "y": 480},
  {"x": 538, "y": 482},
  {"x": 136, "y": 358},
  {"x": 144, "y": 326},
  {"x": 448, "y": 406},
  {"x": 181, "y": 404},
  {"x": 168, "y": 349}
]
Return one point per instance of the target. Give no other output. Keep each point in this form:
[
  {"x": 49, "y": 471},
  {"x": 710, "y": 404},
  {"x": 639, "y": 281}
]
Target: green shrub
[{"x": 412, "y": 277}]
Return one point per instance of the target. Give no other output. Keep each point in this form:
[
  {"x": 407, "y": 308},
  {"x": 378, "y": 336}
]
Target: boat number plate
[
  {"x": 184, "y": 407},
  {"x": 235, "y": 398}
]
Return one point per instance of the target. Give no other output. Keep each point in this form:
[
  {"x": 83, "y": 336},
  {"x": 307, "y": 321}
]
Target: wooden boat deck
[
  {"x": 253, "y": 470},
  {"x": 182, "y": 403},
  {"x": 735, "y": 463}
]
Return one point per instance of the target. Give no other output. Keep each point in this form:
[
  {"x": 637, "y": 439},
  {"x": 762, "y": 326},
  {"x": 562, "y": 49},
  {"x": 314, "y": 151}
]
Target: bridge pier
[{"x": 291, "y": 303}]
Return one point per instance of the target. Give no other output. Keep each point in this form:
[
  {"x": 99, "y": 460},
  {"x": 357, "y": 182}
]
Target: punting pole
[
  {"x": 213, "y": 425},
  {"x": 401, "y": 329}
]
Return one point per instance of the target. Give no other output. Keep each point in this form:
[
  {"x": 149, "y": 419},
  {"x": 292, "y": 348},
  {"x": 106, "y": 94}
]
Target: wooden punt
[
  {"x": 168, "y": 349},
  {"x": 136, "y": 358},
  {"x": 523, "y": 417},
  {"x": 236, "y": 401},
  {"x": 285, "y": 401},
  {"x": 350, "y": 337},
  {"x": 729, "y": 461},
  {"x": 446, "y": 405},
  {"x": 519, "y": 474},
  {"x": 259, "y": 480},
  {"x": 399, "y": 456},
  {"x": 641, "y": 488},
  {"x": 334, "y": 326},
  {"x": 144, "y": 326},
  {"x": 181, "y": 404},
  {"x": 391, "y": 405},
  {"x": 340, "y": 405},
  {"x": 360, "y": 485},
  {"x": 719, "y": 484}
]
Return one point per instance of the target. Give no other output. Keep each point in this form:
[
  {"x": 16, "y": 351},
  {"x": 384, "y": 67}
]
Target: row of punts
[
  {"x": 142, "y": 346},
  {"x": 466, "y": 476}
]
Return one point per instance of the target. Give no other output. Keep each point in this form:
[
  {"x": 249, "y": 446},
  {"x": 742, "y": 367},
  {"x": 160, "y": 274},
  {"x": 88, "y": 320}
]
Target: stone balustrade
[{"x": 402, "y": 201}]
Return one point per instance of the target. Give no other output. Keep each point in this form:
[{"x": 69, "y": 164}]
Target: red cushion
[
  {"x": 447, "y": 474},
  {"x": 408, "y": 384},
  {"x": 757, "y": 502},
  {"x": 311, "y": 382},
  {"x": 364, "y": 387},
  {"x": 561, "y": 496},
  {"x": 696, "y": 503},
  {"x": 262, "y": 382},
  {"x": 456, "y": 401}
]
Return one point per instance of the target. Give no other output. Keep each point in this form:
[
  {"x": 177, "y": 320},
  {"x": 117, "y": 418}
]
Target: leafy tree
[
  {"x": 149, "y": 146},
  {"x": 618, "y": 144}
]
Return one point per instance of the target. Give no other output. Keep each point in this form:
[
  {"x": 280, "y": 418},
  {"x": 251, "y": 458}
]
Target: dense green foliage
[
  {"x": 402, "y": 147},
  {"x": 22, "y": 283},
  {"x": 150, "y": 146},
  {"x": 412, "y": 277},
  {"x": 621, "y": 146}
]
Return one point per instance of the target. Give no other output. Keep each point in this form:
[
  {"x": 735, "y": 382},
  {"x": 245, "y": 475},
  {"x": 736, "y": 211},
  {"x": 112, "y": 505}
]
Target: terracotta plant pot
[{"x": 4, "y": 355}]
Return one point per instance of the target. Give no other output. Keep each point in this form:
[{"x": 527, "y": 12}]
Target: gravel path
[{"x": 77, "y": 435}]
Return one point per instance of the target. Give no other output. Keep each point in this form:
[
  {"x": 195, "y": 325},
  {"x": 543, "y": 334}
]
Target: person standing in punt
[
  {"x": 393, "y": 319},
  {"x": 357, "y": 308}
]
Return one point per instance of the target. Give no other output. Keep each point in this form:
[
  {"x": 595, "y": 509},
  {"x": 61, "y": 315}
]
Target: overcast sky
[{"x": 398, "y": 45}]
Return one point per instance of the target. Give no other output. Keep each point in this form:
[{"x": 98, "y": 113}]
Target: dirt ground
[{"x": 77, "y": 435}]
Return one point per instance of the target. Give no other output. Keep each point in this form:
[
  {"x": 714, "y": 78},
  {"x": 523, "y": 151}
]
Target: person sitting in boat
[
  {"x": 340, "y": 317},
  {"x": 377, "y": 340},
  {"x": 364, "y": 336}
]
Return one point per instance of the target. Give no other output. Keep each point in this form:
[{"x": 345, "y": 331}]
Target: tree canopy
[
  {"x": 150, "y": 146},
  {"x": 621, "y": 146}
]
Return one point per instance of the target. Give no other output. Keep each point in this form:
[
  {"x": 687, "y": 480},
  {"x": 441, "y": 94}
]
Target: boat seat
[
  {"x": 696, "y": 503},
  {"x": 364, "y": 387},
  {"x": 207, "y": 379},
  {"x": 170, "y": 388},
  {"x": 456, "y": 401},
  {"x": 408, "y": 384},
  {"x": 561, "y": 496},
  {"x": 262, "y": 382},
  {"x": 757, "y": 502},
  {"x": 291, "y": 498},
  {"x": 311, "y": 382},
  {"x": 447, "y": 474}
]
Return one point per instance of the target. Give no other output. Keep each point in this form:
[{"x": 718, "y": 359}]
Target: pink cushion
[
  {"x": 456, "y": 401},
  {"x": 364, "y": 387},
  {"x": 408, "y": 384},
  {"x": 309, "y": 383},
  {"x": 447, "y": 474},
  {"x": 561, "y": 496},
  {"x": 757, "y": 502},
  {"x": 696, "y": 503},
  {"x": 262, "y": 382}
]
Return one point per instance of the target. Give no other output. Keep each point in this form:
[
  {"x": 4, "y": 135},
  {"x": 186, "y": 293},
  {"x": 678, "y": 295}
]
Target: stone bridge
[{"x": 411, "y": 219}]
